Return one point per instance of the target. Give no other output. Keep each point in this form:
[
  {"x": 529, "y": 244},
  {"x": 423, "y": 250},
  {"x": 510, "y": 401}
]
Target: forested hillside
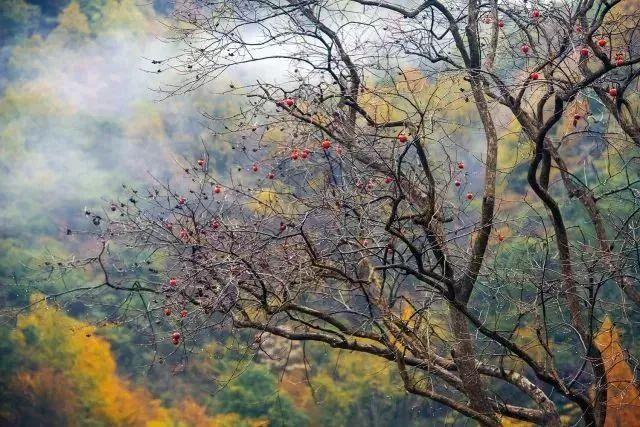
[{"x": 335, "y": 213}]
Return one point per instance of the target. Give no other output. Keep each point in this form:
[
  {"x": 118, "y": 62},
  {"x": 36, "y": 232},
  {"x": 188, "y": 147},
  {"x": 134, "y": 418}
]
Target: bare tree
[{"x": 358, "y": 200}]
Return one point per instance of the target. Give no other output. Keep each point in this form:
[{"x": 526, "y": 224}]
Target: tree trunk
[{"x": 464, "y": 357}]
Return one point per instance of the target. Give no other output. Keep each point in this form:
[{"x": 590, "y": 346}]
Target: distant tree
[
  {"x": 253, "y": 394},
  {"x": 72, "y": 22},
  {"x": 623, "y": 393},
  {"x": 50, "y": 8},
  {"x": 17, "y": 19},
  {"x": 363, "y": 216},
  {"x": 43, "y": 397}
]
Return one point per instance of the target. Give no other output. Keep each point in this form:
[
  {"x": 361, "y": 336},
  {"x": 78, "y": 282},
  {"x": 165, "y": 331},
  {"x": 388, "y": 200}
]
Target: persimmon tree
[{"x": 449, "y": 186}]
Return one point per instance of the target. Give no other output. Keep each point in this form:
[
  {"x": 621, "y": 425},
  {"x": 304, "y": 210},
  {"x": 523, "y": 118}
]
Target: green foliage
[
  {"x": 352, "y": 386},
  {"x": 254, "y": 394},
  {"x": 9, "y": 362}
]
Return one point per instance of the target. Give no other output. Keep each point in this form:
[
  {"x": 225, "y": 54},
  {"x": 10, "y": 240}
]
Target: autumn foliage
[
  {"x": 623, "y": 395},
  {"x": 69, "y": 377}
]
